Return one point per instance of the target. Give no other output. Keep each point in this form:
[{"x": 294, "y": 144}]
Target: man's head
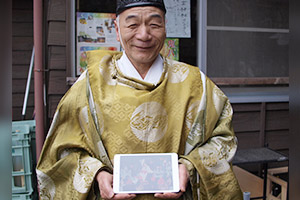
[{"x": 140, "y": 27}]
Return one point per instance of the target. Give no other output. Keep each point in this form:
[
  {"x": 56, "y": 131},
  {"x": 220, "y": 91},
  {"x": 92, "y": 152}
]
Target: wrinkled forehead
[{"x": 143, "y": 12}]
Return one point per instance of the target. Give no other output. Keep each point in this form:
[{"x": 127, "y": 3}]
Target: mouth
[{"x": 141, "y": 47}]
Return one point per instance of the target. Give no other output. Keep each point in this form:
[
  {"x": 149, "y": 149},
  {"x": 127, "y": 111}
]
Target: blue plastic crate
[{"x": 23, "y": 157}]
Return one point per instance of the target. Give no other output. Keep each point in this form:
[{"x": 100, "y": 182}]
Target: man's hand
[
  {"x": 183, "y": 180},
  {"x": 105, "y": 182}
]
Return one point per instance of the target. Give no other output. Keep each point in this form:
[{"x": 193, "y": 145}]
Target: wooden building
[
  {"x": 259, "y": 119},
  {"x": 22, "y": 44}
]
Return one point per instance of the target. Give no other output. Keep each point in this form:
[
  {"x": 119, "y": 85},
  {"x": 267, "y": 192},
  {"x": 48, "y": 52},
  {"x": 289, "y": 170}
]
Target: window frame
[{"x": 270, "y": 85}]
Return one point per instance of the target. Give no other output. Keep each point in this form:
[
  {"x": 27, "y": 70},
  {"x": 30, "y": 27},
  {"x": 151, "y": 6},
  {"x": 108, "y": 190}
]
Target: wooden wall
[
  {"x": 22, "y": 44},
  {"x": 262, "y": 124},
  {"x": 56, "y": 52}
]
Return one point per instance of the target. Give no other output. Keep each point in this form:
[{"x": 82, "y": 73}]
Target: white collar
[{"x": 152, "y": 76}]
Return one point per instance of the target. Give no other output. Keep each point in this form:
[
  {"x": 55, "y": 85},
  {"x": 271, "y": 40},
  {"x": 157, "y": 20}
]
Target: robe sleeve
[
  {"x": 70, "y": 160},
  {"x": 212, "y": 145}
]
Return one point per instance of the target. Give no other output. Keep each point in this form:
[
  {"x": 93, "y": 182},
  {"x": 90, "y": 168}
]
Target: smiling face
[{"x": 142, "y": 34}]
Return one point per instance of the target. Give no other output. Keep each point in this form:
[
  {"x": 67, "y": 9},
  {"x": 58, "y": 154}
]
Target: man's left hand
[{"x": 183, "y": 180}]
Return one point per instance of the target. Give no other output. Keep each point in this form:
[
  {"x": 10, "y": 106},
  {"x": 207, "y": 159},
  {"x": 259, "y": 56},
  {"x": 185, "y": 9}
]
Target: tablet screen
[{"x": 146, "y": 173}]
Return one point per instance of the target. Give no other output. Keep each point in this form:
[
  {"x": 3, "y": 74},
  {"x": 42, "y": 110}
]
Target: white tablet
[{"x": 146, "y": 173}]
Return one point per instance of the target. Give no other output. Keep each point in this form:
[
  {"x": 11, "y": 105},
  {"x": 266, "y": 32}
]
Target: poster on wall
[
  {"x": 171, "y": 48},
  {"x": 94, "y": 31},
  {"x": 178, "y": 18}
]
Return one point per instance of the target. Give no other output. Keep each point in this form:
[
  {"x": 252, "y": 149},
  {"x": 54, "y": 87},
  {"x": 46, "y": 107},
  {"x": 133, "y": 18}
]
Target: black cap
[{"x": 125, "y": 4}]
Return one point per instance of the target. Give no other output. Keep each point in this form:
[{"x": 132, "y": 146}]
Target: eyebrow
[
  {"x": 136, "y": 16},
  {"x": 130, "y": 17},
  {"x": 156, "y": 16}
]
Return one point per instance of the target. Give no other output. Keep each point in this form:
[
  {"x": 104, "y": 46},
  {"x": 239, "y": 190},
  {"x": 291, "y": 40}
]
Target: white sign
[{"x": 178, "y": 18}]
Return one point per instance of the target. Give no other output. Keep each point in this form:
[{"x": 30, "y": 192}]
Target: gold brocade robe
[{"x": 105, "y": 113}]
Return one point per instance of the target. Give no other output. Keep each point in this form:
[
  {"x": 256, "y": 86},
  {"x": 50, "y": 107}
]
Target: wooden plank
[
  {"x": 57, "y": 33},
  {"x": 246, "y": 121},
  {"x": 22, "y": 43},
  {"x": 249, "y": 182},
  {"x": 18, "y": 100},
  {"x": 22, "y": 4},
  {"x": 21, "y": 57},
  {"x": 248, "y": 140},
  {"x": 278, "y": 106},
  {"x": 284, "y": 151},
  {"x": 277, "y": 180},
  {"x": 278, "y": 170},
  {"x": 57, "y": 82},
  {"x": 22, "y": 29},
  {"x": 251, "y": 81},
  {"x": 277, "y": 120},
  {"x": 262, "y": 124},
  {"x": 57, "y": 50},
  {"x": 52, "y": 104},
  {"x": 242, "y": 107},
  {"x": 57, "y": 10},
  {"x": 19, "y": 86},
  {"x": 17, "y": 113},
  {"x": 278, "y": 139},
  {"x": 20, "y": 72},
  {"x": 57, "y": 62},
  {"x": 57, "y": 58},
  {"x": 22, "y": 15},
  {"x": 69, "y": 48}
]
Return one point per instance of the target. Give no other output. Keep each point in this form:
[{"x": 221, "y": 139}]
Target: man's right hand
[{"x": 105, "y": 184}]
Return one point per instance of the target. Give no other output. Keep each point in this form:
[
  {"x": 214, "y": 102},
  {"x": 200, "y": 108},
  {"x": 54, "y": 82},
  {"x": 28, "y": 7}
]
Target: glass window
[
  {"x": 253, "y": 13},
  {"x": 247, "y": 54},
  {"x": 247, "y": 38}
]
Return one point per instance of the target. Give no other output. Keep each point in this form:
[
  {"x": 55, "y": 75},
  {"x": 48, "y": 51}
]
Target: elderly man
[{"x": 138, "y": 101}]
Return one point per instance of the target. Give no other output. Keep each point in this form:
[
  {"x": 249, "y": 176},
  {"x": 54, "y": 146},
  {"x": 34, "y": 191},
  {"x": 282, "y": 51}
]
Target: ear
[{"x": 117, "y": 30}]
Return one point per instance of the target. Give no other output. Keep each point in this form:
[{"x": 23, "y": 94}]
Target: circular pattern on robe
[
  {"x": 217, "y": 154},
  {"x": 84, "y": 174},
  {"x": 149, "y": 122},
  {"x": 46, "y": 186},
  {"x": 212, "y": 162},
  {"x": 178, "y": 72}
]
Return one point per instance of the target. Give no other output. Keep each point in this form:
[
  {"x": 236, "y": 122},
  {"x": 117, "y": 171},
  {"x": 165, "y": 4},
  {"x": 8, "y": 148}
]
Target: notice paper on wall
[{"x": 178, "y": 18}]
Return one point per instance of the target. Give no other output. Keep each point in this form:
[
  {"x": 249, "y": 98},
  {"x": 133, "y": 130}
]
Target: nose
[{"x": 143, "y": 33}]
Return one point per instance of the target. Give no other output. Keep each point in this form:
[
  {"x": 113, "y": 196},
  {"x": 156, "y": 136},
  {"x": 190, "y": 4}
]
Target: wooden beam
[
  {"x": 57, "y": 33},
  {"x": 278, "y": 170},
  {"x": 57, "y": 82},
  {"x": 251, "y": 81},
  {"x": 262, "y": 134},
  {"x": 57, "y": 10}
]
